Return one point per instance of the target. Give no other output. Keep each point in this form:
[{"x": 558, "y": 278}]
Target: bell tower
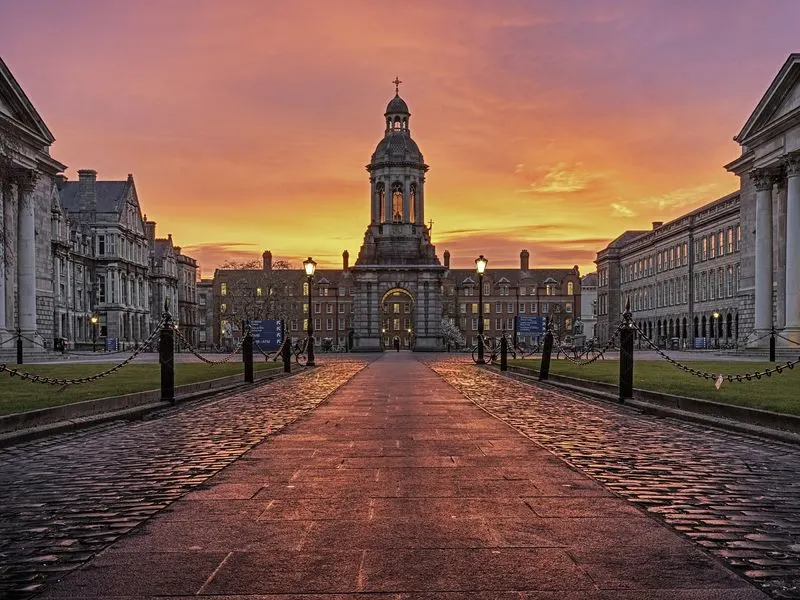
[{"x": 397, "y": 256}]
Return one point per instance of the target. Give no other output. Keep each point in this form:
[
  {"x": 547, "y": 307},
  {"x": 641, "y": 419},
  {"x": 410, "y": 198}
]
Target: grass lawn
[
  {"x": 778, "y": 393},
  {"x": 17, "y": 395}
]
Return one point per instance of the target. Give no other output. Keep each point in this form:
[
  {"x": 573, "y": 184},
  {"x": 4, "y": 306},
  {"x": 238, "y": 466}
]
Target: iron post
[
  {"x": 547, "y": 351},
  {"x": 772, "y": 345},
  {"x": 286, "y": 354},
  {"x": 19, "y": 346},
  {"x": 247, "y": 354},
  {"x": 504, "y": 353},
  {"x": 626, "y": 355},
  {"x": 166, "y": 357}
]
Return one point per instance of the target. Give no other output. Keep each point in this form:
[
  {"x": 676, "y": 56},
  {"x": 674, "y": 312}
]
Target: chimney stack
[
  {"x": 150, "y": 230},
  {"x": 657, "y": 224},
  {"x": 447, "y": 259},
  {"x": 345, "y": 260},
  {"x": 266, "y": 260},
  {"x": 61, "y": 179},
  {"x": 524, "y": 260},
  {"x": 87, "y": 189}
]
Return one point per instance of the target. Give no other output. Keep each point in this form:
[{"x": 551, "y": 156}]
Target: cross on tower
[
  {"x": 397, "y": 83},
  {"x": 430, "y": 226}
]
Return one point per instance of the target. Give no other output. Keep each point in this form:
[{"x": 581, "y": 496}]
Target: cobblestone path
[
  {"x": 737, "y": 496},
  {"x": 66, "y": 497}
]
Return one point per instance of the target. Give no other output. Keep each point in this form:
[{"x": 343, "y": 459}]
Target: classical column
[
  {"x": 763, "y": 180},
  {"x": 793, "y": 247},
  {"x": 3, "y": 193},
  {"x": 26, "y": 249},
  {"x": 9, "y": 255}
]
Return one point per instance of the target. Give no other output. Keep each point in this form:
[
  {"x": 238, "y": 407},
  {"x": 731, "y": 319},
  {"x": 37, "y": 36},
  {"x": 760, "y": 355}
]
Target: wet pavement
[
  {"x": 734, "y": 495},
  {"x": 66, "y": 497},
  {"x": 399, "y": 487}
]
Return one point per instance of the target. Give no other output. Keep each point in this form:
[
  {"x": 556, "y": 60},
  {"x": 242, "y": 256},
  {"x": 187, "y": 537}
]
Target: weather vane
[{"x": 397, "y": 83}]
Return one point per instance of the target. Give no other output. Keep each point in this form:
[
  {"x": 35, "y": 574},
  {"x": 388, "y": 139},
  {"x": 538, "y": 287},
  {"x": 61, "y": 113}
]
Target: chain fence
[
  {"x": 790, "y": 340},
  {"x": 64, "y": 383},
  {"x": 560, "y": 349},
  {"x": 269, "y": 356},
  {"x": 188, "y": 346},
  {"x": 718, "y": 378}
]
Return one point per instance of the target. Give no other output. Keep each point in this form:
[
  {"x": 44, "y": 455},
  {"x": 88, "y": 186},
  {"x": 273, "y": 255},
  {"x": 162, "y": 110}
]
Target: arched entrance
[{"x": 397, "y": 319}]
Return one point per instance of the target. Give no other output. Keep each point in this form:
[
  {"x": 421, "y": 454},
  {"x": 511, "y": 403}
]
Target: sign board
[
  {"x": 268, "y": 334},
  {"x": 700, "y": 343},
  {"x": 111, "y": 344},
  {"x": 530, "y": 325}
]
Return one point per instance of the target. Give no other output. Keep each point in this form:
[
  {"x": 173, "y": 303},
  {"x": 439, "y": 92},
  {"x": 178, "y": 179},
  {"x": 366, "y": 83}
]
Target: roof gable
[
  {"x": 16, "y": 105},
  {"x": 781, "y": 99}
]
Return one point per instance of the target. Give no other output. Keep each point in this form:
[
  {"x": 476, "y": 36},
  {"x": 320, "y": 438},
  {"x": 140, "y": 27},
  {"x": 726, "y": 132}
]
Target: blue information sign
[
  {"x": 530, "y": 325},
  {"x": 111, "y": 344},
  {"x": 268, "y": 333}
]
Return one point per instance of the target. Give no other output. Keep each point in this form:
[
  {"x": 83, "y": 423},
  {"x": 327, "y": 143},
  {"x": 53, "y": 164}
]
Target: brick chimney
[
  {"x": 266, "y": 260},
  {"x": 524, "y": 260},
  {"x": 657, "y": 224},
  {"x": 447, "y": 259},
  {"x": 345, "y": 260},
  {"x": 87, "y": 189}
]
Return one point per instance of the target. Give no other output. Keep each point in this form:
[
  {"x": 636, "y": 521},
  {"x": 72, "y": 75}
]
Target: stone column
[
  {"x": 421, "y": 201},
  {"x": 406, "y": 201},
  {"x": 763, "y": 181},
  {"x": 373, "y": 201},
  {"x": 792, "y": 312},
  {"x": 26, "y": 260},
  {"x": 388, "y": 217},
  {"x": 3, "y": 193},
  {"x": 9, "y": 255}
]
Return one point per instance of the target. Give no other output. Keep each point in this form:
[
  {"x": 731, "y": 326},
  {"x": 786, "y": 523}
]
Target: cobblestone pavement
[
  {"x": 66, "y": 497},
  {"x": 737, "y": 496}
]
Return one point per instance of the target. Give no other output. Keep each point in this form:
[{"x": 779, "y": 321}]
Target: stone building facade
[
  {"x": 769, "y": 175},
  {"x": 397, "y": 291},
  {"x": 681, "y": 278},
  {"x": 71, "y": 252},
  {"x": 739, "y": 273}
]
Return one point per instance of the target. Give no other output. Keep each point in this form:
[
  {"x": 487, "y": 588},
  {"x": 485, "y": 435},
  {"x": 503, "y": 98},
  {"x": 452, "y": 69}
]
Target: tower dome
[{"x": 397, "y": 106}]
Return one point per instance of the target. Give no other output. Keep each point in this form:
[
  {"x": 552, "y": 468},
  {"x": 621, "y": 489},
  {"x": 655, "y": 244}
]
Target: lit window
[
  {"x": 223, "y": 289},
  {"x": 258, "y": 291}
]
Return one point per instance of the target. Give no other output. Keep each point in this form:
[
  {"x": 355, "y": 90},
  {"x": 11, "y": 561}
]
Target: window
[
  {"x": 474, "y": 324},
  {"x": 730, "y": 279},
  {"x": 522, "y": 308},
  {"x": 342, "y": 291},
  {"x": 570, "y": 288},
  {"x": 498, "y": 323},
  {"x": 487, "y": 288},
  {"x": 738, "y": 240},
  {"x": 486, "y": 324},
  {"x": 463, "y": 310},
  {"x": 223, "y": 308},
  {"x": 474, "y": 309},
  {"x": 412, "y": 202},
  {"x": 509, "y": 308},
  {"x": 397, "y": 202},
  {"x": 487, "y": 307},
  {"x": 101, "y": 284},
  {"x": 721, "y": 244},
  {"x": 658, "y": 263},
  {"x": 341, "y": 322},
  {"x": 522, "y": 290},
  {"x": 329, "y": 308},
  {"x": 510, "y": 323},
  {"x": 380, "y": 198},
  {"x": 545, "y": 308},
  {"x": 406, "y": 308},
  {"x": 258, "y": 292},
  {"x": 730, "y": 240},
  {"x": 568, "y": 307},
  {"x": 317, "y": 324},
  {"x": 685, "y": 254},
  {"x": 498, "y": 307},
  {"x": 317, "y": 308},
  {"x": 101, "y": 245},
  {"x": 305, "y": 289},
  {"x": 672, "y": 258},
  {"x": 712, "y": 245},
  {"x": 396, "y": 308},
  {"x": 720, "y": 283},
  {"x": 329, "y": 323}
]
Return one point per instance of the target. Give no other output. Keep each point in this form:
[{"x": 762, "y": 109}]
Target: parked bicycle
[{"x": 300, "y": 351}]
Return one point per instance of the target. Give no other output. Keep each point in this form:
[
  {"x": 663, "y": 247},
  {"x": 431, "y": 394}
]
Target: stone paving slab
[{"x": 401, "y": 488}]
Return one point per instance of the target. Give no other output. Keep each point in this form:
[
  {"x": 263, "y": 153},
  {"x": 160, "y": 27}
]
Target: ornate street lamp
[
  {"x": 94, "y": 320},
  {"x": 480, "y": 267},
  {"x": 310, "y": 266}
]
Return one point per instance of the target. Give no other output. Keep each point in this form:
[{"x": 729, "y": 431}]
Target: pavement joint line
[{"x": 214, "y": 573}]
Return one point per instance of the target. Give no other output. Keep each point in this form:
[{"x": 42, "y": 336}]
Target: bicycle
[{"x": 300, "y": 351}]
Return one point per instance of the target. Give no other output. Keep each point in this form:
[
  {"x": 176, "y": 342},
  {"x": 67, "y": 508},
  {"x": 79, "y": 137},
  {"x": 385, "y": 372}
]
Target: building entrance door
[{"x": 397, "y": 319}]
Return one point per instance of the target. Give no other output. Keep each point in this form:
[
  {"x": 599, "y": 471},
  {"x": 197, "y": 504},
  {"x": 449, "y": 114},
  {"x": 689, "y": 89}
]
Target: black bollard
[
  {"x": 544, "y": 367},
  {"x": 166, "y": 356},
  {"x": 504, "y": 353},
  {"x": 772, "y": 345},
  {"x": 19, "y": 347},
  {"x": 247, "y": 355},
  {"x": 286, "y": 353},
  {"x": 626, "y": 335}
]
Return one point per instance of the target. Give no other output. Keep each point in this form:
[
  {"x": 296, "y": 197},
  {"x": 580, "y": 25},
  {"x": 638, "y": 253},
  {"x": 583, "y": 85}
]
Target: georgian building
[
  {"x": 28, "y": 199},
  {"x": 680, "y": 278},
  {"x": 730, "y": 270},
  {"x": 769, "y": 176},
  {"x": 188, "y": 317},
  {"x": 589, "y": 304}
]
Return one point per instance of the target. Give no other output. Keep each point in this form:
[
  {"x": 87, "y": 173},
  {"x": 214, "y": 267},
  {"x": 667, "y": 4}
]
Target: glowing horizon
[{"x": 549, "y": 126}]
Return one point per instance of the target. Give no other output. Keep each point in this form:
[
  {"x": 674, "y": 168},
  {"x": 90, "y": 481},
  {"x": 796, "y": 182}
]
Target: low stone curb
[
  {"x": 33, "y": 424},
  {"x": 762, "y": 423}
]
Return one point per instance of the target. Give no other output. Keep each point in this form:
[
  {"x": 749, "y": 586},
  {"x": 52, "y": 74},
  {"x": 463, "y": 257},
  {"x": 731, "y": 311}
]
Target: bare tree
[
  {"x": 254, "y": 293},
  {"x": 452, "y": 335}
]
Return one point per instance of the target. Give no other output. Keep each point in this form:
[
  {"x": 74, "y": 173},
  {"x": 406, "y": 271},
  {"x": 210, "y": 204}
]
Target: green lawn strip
[
  {"x": 778, "y": 393},
  {"x": 17, "y": 395}
]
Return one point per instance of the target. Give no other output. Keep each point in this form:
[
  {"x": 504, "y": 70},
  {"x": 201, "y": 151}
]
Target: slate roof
[
  {"x": 397, "y": 106},
  {"x": 110, "y": 196},
  {"x": 512, "y": 276},
  {"x": 589, "y": 280}
]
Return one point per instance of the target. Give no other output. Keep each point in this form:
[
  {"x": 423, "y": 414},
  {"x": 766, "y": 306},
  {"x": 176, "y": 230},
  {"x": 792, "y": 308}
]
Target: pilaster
[
  {"x": 763, "y": 179},
  {"x": 792, "y": 298},
  {"x": 26, "y": 249}
]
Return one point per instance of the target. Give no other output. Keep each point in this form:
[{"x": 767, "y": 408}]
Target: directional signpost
[
  {"x": 268, "y": 334},
  {"x": 530, "y": 325}
]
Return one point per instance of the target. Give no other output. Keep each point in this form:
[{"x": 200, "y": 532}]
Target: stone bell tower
[{"x": 397, "y": 256}]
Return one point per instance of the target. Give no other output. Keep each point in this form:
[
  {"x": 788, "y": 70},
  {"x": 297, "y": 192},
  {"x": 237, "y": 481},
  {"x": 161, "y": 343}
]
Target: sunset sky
[{"x": 548, "y": 125}]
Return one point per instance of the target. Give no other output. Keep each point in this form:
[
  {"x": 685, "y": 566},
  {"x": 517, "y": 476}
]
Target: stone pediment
[
  {"x": 780, "y": 103},
  {"x": 15, "y": 105}
]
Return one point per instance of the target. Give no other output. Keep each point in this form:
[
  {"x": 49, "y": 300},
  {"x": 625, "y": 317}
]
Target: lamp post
[
  {"x": 94, "y": 320},
  {"x": 715, "y": 314},
  {"x": 480, "y": 267},
  {"x": 310, "y": 266}
]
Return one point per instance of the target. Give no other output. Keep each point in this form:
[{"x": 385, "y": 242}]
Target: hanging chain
[{"x": 187, "y": 344}]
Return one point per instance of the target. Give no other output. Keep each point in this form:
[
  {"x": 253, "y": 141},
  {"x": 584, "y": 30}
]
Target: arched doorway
[{"x": 397, "y": 319}]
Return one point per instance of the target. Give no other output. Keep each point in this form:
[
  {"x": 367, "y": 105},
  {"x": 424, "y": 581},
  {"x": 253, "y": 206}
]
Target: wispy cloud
[{"x": 620, "y": 210}]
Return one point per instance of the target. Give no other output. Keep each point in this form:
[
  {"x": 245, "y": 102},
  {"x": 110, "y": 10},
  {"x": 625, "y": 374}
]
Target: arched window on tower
[
  {"x": 412, "y": 202},
  {"x": 397, "y": 123},
  {"x": 397, "y": 202},
  {"x": 380, "y": 192}
]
